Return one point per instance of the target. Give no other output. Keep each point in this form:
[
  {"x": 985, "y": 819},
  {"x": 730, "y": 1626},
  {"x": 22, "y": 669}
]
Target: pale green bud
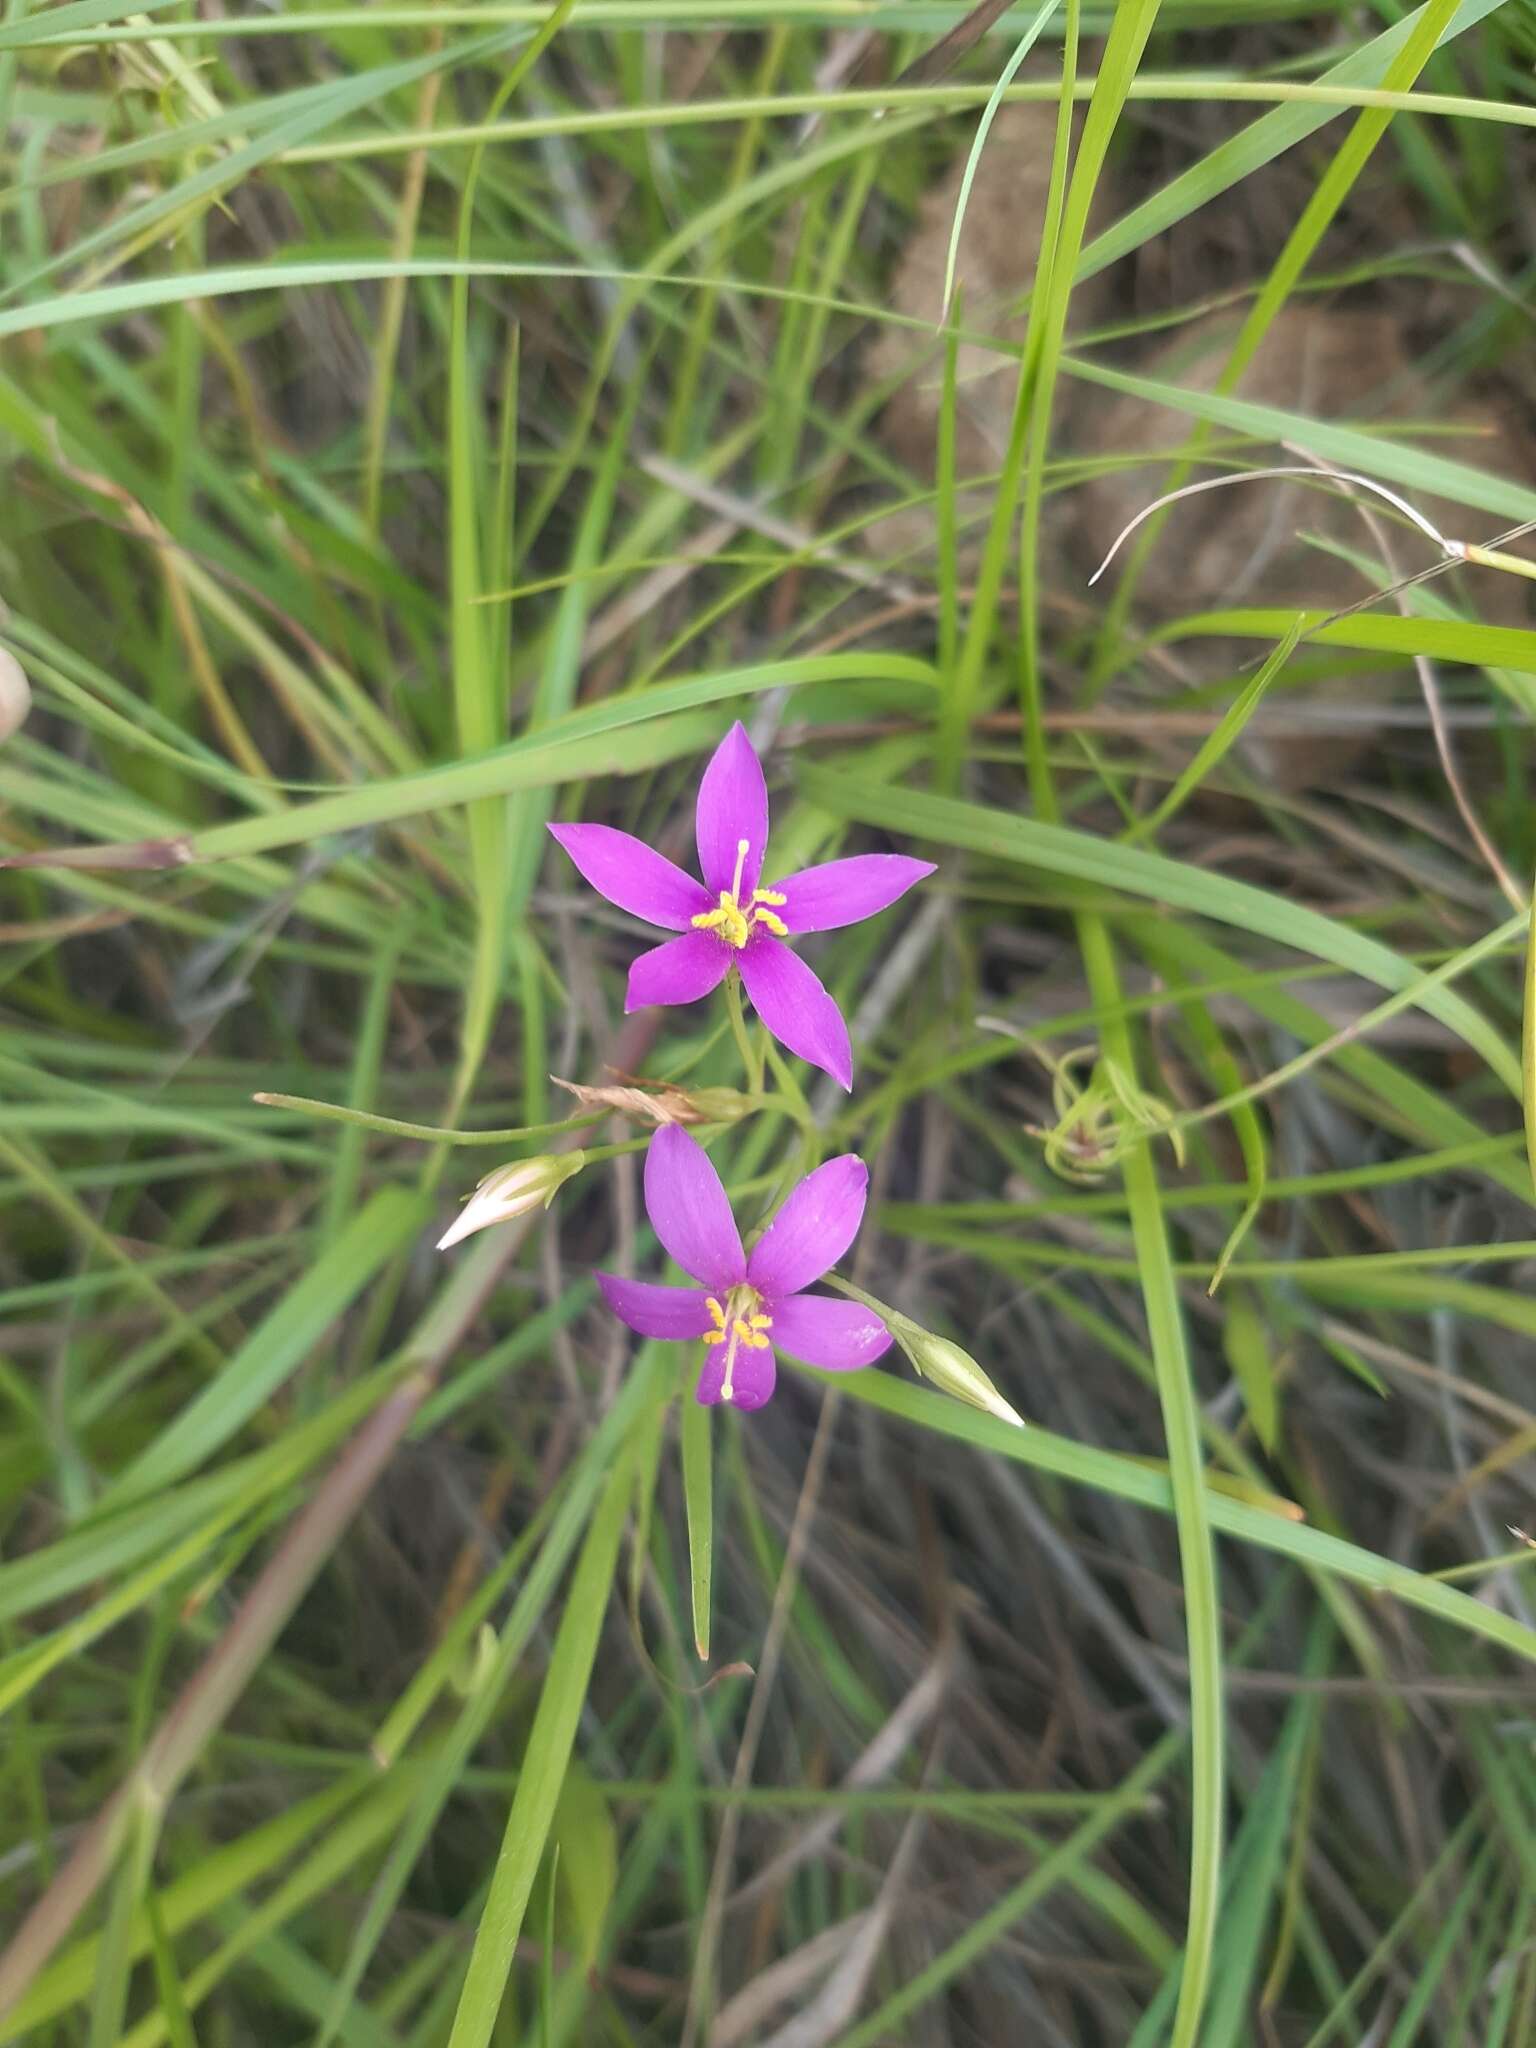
[
  {"x": 15, "y": 694},
  {"x": 714, "y": 1105},
  {"x": 953, "y": 1371},
  {"x": 513, "y": 1191}
]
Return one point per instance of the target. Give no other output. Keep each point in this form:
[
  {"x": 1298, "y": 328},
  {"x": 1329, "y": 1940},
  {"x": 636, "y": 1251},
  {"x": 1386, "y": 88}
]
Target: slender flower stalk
[
  {"x": 732, "y": 922},
  {"x": 746, "y": 1303}
]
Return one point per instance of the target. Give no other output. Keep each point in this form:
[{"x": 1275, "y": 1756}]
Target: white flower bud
[
  {"x": 512, "y": 1191},
  {"x": 15, "y": 694},
  {"x": 952, "y": 1370}
]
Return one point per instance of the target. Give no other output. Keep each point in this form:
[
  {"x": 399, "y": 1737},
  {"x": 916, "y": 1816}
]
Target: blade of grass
[
  {"x": 1060, "y": 850},
  {"x": 1133, "y": 1480},
  {"x": 549, "y": 1750},
  {"x": 698, "y": 1499},
  {"x": 581, "y": 746},
  {"x": 1186, "y": 1468},
  {"x": 277, "y": 1347}
]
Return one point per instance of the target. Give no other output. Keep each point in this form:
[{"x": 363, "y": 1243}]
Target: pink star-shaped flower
[
  {"x": 749, "y": 1302},
  {"x": 730, "y": 919}
]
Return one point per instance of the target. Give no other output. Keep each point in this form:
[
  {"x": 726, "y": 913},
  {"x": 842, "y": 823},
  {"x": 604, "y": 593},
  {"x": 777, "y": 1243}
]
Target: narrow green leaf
[
  {"x": 1000, "y": 835},
  {"x": 1191, "y": 1507},
  {"x": 1376, "y": 455},
  {"x": 1246, "y": 1345},
  {"x": 1135, "y": 1480},
  {"x": 576, "y": 748},
  {"x": 1220, "y": 169},
  {"x": 173, "y": 2000},
  {"x": 545, "y": 1763},
  {"x": 279, "y": 1344},
  {"x": 1021, "y": 50},
  {"x": 222, "y": 1874},
  {"x": 698, "y": 1498},
  {"x": 1214, "y": 749},
  {"x": 586, "y": 1859}
]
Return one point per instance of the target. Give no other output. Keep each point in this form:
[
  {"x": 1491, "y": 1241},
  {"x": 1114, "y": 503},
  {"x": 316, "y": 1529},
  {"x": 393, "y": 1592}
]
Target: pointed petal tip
[
  {"x": 680, "y": 970},
  {"x": 690, "y": 1211},
  {"x": 629, "y": 873},
  {"x": 732, "y": 807},
  {"x": 790, "y": 1000},
  {"x": 814, "y": 1226},
  {"x": 842, "y": 892}
]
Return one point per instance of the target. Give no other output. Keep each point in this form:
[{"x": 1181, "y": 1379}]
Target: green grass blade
[
  {"x": 1181, "y": 1430},
  {"x": 278, "y": 1346},
  {"x": 545, "y": 1761},
  {"x": 698, "y": 1499},
  {"x": 999, "y": 835}
]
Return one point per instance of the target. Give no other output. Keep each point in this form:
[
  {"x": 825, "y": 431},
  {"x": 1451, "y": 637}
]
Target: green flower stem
[
  {"x": 752, "y": 1063},
  {"x": 592, "y": 1154},
  {"x": 389, "y": 1126},
  {"x": 791, "y": 1097}
]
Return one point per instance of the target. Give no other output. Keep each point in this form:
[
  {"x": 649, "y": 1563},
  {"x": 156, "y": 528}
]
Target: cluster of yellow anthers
[
  {"x": 734, "y": 924},
  {"x": 739, "y": 1321}
]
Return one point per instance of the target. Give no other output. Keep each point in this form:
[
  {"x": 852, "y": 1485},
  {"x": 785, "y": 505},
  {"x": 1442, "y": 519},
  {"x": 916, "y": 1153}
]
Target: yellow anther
[
  {"x": 741, "y": 1325},
  {"x": 733, "y": 923},
  {"x": 729, "y": 920}
]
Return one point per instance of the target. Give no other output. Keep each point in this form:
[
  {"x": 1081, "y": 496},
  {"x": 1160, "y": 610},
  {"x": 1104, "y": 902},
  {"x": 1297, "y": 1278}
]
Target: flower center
[
  {"x": 740, "y": 1325},
  {"x": 735, "y": 923}
]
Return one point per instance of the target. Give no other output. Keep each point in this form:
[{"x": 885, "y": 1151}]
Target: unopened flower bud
[
  {"x": 15, "y": 694},
  {"x": 950, "y": 1369},
  {"x": 713, "y": 1105},
  {"x": 512, "y": 1191}
]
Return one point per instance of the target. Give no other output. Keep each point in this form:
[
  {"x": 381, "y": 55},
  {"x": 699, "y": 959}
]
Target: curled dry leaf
[{"x": 659, "y": 1102}]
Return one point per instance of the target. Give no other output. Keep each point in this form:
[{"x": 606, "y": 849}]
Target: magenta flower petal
[
  {"x": 689, "y": 1211},
  {"x": 839, "y": 1336},
  {"x": 795, "y": 1007},
  {"x": 816, "y": 1225},
  {"x": 680, "y": 971},
  {"x": 752, "y": 1377},
  {"x": 657, "y": 1311},
  {"x": 732, "y": 806},
  {"x": 633, "y": 875},
  {"x": 843, "y": 892}
]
